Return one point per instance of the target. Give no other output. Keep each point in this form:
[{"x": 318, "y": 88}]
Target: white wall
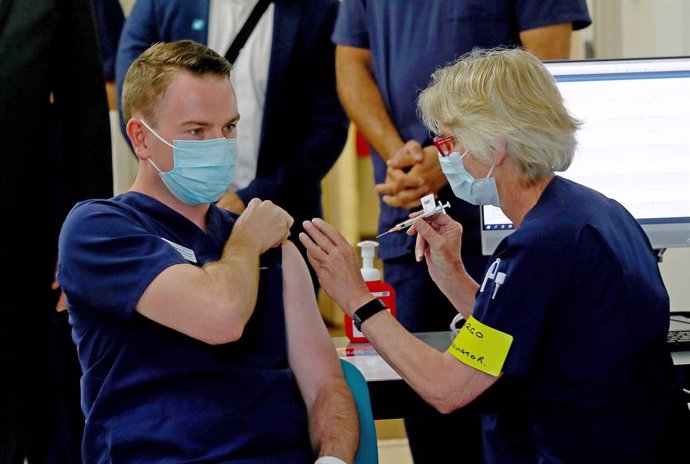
[
  {"x": 638, "y": 28},
  {"x": 675, "y": 269},
  {"x": 127, "y": 5},
  {"x": 125, "y": 164}
]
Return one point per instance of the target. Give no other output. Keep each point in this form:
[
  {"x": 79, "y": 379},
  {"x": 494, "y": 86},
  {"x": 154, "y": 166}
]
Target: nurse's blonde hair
[{"x": 489, "y": 98}]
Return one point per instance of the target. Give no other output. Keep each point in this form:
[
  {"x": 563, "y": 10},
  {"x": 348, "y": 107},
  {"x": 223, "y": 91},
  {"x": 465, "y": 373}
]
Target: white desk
[
  {"x": 393, "y": 398},
  {"x": 373, "y": 366},
  {"x": 681, "y": 358}
]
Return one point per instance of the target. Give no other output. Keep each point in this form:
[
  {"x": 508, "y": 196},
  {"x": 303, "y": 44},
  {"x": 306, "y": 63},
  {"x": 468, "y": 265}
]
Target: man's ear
[{"x": 137, "y": 134}]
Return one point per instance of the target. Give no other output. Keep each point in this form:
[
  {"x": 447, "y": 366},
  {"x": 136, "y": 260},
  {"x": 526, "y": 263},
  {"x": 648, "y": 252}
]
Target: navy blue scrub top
[
  {"x": 588, "y": 377},
  {"x": 149, "y": 393},
  {"x": 409, "y": 40},
  {"x": 109, "y": 21}
]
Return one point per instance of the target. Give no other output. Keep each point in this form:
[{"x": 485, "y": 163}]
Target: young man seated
[{"x": 198, "y": 330}]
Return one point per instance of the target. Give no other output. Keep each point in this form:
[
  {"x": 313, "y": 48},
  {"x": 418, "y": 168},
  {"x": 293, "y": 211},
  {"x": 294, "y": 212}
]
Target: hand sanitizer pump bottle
[{"x": 376, "y": 286}]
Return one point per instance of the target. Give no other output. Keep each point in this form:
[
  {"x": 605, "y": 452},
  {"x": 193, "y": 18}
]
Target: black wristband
[{"x": 367, "y": 310}]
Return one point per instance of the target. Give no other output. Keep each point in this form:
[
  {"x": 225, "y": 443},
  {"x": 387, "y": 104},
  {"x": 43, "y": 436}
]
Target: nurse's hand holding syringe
[
  {"x": 440, "y": 208},
  {"x": 439, "y": 239}
]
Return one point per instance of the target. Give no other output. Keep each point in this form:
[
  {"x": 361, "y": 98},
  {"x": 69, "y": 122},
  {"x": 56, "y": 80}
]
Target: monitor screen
[{"x": 633, "y": 145}]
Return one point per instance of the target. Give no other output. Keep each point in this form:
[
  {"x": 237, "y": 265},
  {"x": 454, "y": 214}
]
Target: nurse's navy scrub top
[
  {"x": 588, "y": 377},
  {"x": 149, "y": 393}
]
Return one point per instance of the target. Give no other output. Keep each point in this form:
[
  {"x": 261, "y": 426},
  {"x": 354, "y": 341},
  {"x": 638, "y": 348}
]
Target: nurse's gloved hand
[
  {"x": 262, "y": 225},
  {"x": 438, "y": 242}
]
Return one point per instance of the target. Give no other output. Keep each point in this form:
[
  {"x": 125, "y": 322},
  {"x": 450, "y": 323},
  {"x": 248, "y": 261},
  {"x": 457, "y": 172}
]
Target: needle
[{"x": 405, "y": 224}]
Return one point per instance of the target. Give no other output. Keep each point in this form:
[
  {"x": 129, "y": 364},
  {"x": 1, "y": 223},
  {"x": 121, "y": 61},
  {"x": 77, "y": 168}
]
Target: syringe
[{"x": 440, "y": 208}]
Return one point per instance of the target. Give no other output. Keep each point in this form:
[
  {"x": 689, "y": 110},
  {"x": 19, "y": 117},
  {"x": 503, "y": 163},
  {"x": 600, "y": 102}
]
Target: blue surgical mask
[
  {"x": 476, "y": 191},
  {"x": 202, "y": 169}
]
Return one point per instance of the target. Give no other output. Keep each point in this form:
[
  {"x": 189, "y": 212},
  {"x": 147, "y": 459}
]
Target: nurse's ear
[{"x": 501, "y": 154}]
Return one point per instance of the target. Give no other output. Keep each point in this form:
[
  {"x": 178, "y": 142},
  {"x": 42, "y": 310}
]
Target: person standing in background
[
  {"x": 109, "y": 21},
  {"x": 55, "y": 151},
  {"x": 65, "y": 446},
  {"x": 386, "y": 51},
  {"x": 293, "y": 128}
]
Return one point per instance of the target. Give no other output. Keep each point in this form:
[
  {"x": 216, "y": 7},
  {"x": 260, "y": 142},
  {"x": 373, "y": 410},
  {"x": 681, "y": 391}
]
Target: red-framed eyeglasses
[{"x": 444, "y": 144}]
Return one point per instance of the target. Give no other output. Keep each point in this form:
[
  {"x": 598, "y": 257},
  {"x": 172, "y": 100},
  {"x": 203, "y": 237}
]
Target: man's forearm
[
  {"x": 333, "y": 427},
  {"x": 236, "y": 278},
  {"x": 211, "y": 304},
  {"x": 362, "y": 100}
]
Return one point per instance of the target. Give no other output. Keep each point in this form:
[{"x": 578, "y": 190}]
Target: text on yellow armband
[{"x": 481, "y": 347}]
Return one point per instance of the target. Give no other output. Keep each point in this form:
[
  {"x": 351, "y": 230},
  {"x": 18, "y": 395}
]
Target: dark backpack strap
[{"x": 246, "y": 31}]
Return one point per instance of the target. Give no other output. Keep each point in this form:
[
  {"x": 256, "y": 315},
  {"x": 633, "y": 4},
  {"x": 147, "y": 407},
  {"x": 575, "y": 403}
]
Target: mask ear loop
[
  {"x": 159, "y": 138},
  {"x": 154, "y": 165},
  {"x": 156, "y": 134}
]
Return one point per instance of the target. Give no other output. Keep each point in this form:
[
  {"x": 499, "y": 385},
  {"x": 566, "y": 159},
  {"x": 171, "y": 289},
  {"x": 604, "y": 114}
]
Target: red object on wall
[{"x": 362, "y": 146}]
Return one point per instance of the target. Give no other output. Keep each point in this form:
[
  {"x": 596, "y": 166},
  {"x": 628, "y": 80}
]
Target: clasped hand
[{"x": 405, "y": 189}]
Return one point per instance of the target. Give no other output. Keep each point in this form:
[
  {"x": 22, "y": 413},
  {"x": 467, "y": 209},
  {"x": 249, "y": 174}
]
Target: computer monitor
[{"x": 633, "y": 146}]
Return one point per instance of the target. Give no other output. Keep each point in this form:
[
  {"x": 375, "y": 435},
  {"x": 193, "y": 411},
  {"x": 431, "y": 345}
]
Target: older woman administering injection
[{"x": 568, "y": 327}]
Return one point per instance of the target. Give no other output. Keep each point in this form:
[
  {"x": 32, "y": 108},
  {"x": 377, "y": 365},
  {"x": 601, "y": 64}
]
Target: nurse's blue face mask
[
  {"x": 475, "y": 191},
  {"x": 202, "y": 169}
]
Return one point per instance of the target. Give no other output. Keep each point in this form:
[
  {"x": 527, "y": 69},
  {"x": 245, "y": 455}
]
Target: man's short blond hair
[
  {"x": 503, "y": 96},
  {"x": 151, "y": 73}
]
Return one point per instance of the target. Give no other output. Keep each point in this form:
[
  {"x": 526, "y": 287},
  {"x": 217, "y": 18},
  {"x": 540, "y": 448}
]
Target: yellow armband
[{"x": 481, "y": 347}]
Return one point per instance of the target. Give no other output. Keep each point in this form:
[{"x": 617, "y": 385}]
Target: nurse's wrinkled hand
[
  {"x": 336, "y": 264},
  {"x": 438, "y": 242}
]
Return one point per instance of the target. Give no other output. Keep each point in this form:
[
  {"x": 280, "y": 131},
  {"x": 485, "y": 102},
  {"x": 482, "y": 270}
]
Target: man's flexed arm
[
  {"x": 214, "y": 302},
  {"x": 333, "y": 423}
]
